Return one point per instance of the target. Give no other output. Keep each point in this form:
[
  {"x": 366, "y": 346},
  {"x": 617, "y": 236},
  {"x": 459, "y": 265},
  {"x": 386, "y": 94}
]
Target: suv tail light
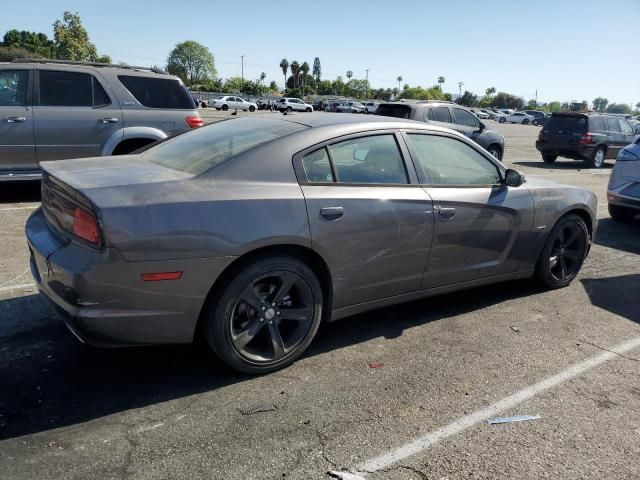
[
  {"x": 541, "y": 135},
  {"x": 85, "y": 226},
  {"x": 585, "y": 139},
  {"x": 194, "y": 122}
]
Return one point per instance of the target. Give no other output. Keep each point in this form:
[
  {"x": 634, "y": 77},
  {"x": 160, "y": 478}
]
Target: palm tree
[
  {"x": 295, "y": 71},
  {"x": 304, "y": 68},
  {"x": 262, "y": 77},
  {"x": 399, "y": 79},
  {"x": 440, "y": 82},
  {"x": 490, "y": 91},
  {"x": 349, "y": 74},
  {"x": 638, "y": 105},
  {"x": 284, "y": 65}
]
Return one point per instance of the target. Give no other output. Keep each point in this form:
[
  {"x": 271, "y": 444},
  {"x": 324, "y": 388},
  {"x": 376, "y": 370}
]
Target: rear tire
[
  {"x": 546, "y": 158},
  {"x": 308, "y": 110},
  {"x": 597, "y": 159},
  {"x": 534, "y": 123},
  {"x": 621, "y": 214},
  {"x": 525, "y": 121},
  {"x": 289, "y": 109},
  {"x": 502, "y": 120},
  {"x": 225, "y": 108},
  {"x": 563, "y": 253},
  {"x": 267, "y": 315},
  {"x": 252, "y": 108}
]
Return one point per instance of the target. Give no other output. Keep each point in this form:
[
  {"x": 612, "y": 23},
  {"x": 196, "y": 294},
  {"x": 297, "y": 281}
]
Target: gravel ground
[{"x": 71, "y": 411}]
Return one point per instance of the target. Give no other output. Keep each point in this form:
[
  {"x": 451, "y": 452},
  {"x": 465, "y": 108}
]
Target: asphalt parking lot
[{"x": 449, "y": 363}]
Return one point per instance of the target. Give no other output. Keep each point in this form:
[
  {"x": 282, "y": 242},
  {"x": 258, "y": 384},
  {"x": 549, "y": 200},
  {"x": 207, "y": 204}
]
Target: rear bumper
[
  {"x": 623, "y": 201},
  {"x": 576, "y": 152},
  {"x": 104, "y": 301}
]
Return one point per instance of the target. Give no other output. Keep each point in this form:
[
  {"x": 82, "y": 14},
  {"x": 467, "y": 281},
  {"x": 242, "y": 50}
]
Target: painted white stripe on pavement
[
  {"x": 8, "y": 209},
  {"x": 421, "y": 443},
  {"x": 17, "y": 287}
]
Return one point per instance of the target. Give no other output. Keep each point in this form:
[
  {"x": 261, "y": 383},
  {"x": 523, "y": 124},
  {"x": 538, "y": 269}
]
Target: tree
[
  {"x": 72, "y": 40},
  {"x": 356, "y": 88},
  {"x": 262, "y": 77},
  {"x": 273, "y": 86},
  {"x": 284, "y": 65},
  {"x": 600, "y": 104},
  {"x": 618, "y": 108},
  {"x": 638, "y": 106},
  {"x": 304, "y": 69},
  {"x": 399, "y": 79},
  {"x": 192, "y": 62},
  {"x": 295, "y": 72},
  {"x": 349, "y": 74},
  {"x": 419, "y": 93},
  {"x": 440, "y": 82},
  {"x": 338, "y": 86},
  {"x": 506, "y": 100},
  {"x": 490, "y": 91},
  {"x": 37, "y": 43},
  {"x": 317, "y": 71},
  {"x": 324, "y": 87},
  {"x": 468, "y": 99},
  {"x": 233, "y": 84},
  {"x": 554, "y": 106}
]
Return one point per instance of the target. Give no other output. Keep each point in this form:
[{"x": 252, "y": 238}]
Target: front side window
[
  {"x": 465, "y": 118},
  {"x": 447, "y": 161},
  {"x": 374, "y": 159},
  {"x": 156, "y": 92},
  {"x": 65, "y": 89},
  {"x": 13, "y": 88},
  {"x": 624, "y": 127},
  {"x": 441, "y": 114}
]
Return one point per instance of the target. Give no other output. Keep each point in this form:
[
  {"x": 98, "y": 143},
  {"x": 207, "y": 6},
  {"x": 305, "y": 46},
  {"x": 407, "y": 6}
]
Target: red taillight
[
  {"x": 85, "y": 226},
  {"x": 194, "y": 122},
  {"x": 541, "y": 136},
  {"x": 585, "y": 139},
  {"x": 159, "y": 276}
]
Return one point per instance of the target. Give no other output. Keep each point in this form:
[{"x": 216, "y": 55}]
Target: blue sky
[{"x": 566, "y": 49}]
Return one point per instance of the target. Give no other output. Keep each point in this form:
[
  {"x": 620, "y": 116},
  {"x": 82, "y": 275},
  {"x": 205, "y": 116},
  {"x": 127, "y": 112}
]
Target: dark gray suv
[
  {"x": 50, "y": 110},
  {"x": 449, "y": 115}
]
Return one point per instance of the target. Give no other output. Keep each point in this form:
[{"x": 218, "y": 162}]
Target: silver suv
[
  {"x": 294, "y": 105},
  {"x": 50, "y": 110}
]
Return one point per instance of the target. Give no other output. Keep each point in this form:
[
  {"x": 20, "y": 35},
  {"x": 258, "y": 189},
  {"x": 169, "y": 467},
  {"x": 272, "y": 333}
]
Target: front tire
[
  {"x": 225, "y": 108},
  {"x": 546, "y": 158},
  {"x": 621, "y": 214},
  {"x": 502, "y": 120},
  {"x": 563, "y": 253},
  {"x": 534, "y": 123},
  {"x": 597, "y": 159},
  {"x": 266, "y": 316},
  {"x": 252, "y": 108},
  {"x": 495, "y": 151},
  {"x": 525, "y": 121},
  {"x": 289, "y": 109}
]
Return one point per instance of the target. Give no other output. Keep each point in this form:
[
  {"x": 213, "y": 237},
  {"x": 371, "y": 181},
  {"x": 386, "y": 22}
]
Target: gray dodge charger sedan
[{"x": 251, "y": 232}]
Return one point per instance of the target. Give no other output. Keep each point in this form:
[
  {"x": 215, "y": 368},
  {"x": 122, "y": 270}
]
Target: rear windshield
[
  {"x": 568, "y": 124},
  {"x": 197, "y": 151},
  {"x": 398, "y": 111},
  {"x": 158, "y": 92}
]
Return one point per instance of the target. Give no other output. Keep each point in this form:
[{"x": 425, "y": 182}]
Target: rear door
[
  {"x": 466, "y": 123},
  {"x": 73, "y": 114},
  {"x": 627, "y": 133},
  {"x": 17, "y": 147},
  {"x": 440, "y": 116},
  {"x": 482, "y": 227},
  {"x": 369, "y": 218},
  {"x": 615, "y": 137}
]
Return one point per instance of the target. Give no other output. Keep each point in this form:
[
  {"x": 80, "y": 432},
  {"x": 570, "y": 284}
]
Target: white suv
[
  {"x": 293, "y": 104},
  {"x": 226, "y": 102}
]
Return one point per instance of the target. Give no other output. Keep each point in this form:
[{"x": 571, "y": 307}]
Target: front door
[
  {"x": 17, "y": 148},
  {"x": 481, "y": 225},
  {"x": 367, "y": 221},
  {"x": 74, "y": 116},
  {"x": 466, "y": 123}
]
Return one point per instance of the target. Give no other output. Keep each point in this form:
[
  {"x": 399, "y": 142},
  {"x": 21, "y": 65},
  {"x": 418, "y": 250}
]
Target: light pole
[
  {"x": 460, "y": 84},
  {"x": 242, "y": 73},
  {"x": 367, "y": 85}
]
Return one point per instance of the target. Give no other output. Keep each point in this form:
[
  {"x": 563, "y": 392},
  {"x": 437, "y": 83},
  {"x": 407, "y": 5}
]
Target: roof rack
[
  {"x": 435, "y": 101},
  {"x": 88, "y": 64}
]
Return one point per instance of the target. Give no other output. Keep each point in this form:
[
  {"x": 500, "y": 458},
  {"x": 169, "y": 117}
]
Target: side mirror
[
  {"x": 481, "y": 127},
  {"x": 513, "y": 178}
]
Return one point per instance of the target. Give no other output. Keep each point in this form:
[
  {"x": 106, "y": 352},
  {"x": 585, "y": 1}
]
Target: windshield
[
  {"x": 200, "y": 150},
  {"x": 398, "y": 111},
  {"x": 567, "y": 124}
]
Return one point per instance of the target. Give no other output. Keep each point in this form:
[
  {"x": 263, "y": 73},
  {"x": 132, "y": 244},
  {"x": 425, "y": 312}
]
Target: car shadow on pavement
[
  {"x": 16, "y": 192},
  {"x": 612, "y": 294},
  {"x": 561, "y": 165},
  {"x": 51, "y": 380},
  {"x": 618, "y": 235}
]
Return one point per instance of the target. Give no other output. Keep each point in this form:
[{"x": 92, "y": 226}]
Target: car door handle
[
  {"x": 109, "y": 120},
  {"x": 16, "y": 119},
  {"x": 446, "y": 213},
  {"x": 332, "y": 213}
]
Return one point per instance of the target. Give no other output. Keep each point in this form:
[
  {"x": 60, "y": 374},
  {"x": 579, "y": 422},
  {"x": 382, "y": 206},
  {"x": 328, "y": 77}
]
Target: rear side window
[
  {"x": 100, "y": 97},
  {"x": 566, "y": 124},
  {"x": 442, "y": 114},
  {"x": 13, "y": 87},
  {"x": 624, "y": 127},
  {"x": 612, "y": 125},
  {"x": 158, "y": 92},
  {"x": 65, "y": 89},
  {"x": 429, "y": 114},
  {"x": 596, "y": 124},
  {"x": 465, "y": 118},
  {"x": 317, "y": 167},
  {"x": 374, "y": 159},
  {"x": 397, "y": 111},
  {"x": 199, "y": 150}
]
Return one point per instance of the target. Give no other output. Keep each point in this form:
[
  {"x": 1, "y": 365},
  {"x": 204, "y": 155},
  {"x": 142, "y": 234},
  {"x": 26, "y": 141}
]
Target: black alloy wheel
[{"x": 563, "y": 253}]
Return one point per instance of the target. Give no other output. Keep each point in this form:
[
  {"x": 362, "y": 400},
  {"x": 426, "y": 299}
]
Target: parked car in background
[
  {"x": 592, "y": 137},
  {"x": 248, "y": 234},
  {"x": 294, "y": 105},
  {"x": 519, "y": 117},
  {"x": 320, "y": 105},
  {"x": 623, "y": 192},
  {"x": 449, "y": 115},
  {"x": 350, "y": 107},
  {"x": 539, "y": 118},
  {"x": 232, "y": 102},
  {"x": 54, "y": 109},
  {"x": 370, "y": 107},
  {"x": 506, "y": 111},
  {"x": 499, "y": 116},
  {"x": 479, "y": 113}
]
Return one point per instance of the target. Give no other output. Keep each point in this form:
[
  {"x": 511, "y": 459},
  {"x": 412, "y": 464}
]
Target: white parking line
[
  {"x": 421, "y": 443},
  {"x": 17, "y": 287},
  {"x": 8, "y": 209}
]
